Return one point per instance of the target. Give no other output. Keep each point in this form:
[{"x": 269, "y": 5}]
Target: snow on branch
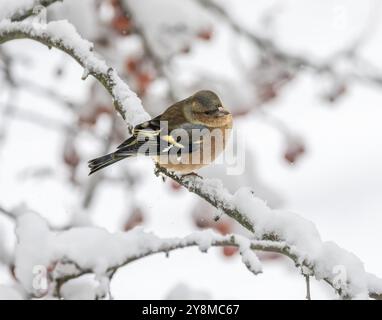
[
  {"x": 301, "y": 241},
  {"x": 78, "y": 251},
  {"x": 62, "y": 35}
]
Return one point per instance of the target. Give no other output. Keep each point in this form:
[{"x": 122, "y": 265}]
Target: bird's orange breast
[{"x": 211, "y": 146}]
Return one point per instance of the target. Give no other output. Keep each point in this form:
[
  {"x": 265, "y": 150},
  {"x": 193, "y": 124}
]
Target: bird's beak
[{"x": 222, "y": 112}]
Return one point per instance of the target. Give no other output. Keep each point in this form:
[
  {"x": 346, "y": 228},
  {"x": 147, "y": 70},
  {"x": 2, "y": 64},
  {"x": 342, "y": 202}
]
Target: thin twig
[{"x": 307, "y": 281}]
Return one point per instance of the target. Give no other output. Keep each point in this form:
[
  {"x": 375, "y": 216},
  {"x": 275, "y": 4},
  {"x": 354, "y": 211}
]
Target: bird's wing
[
  {"x": 135, "y": 146},
  {"x": 150, "y": 138},
  {"x": 149, "y": 133},
  {"x": 148, "y": 129},
  {"x": 154, "y": 146}
]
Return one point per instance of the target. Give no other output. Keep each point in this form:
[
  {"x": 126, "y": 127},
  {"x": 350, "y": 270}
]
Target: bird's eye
[{"x": 209, "y": 112}]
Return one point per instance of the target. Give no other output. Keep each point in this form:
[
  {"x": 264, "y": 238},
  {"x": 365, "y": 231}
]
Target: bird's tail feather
[{"x": 104, "y": 161}]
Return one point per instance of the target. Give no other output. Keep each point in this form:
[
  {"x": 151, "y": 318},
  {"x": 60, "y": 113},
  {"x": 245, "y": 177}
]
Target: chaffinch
[{"x": 187, "y": 136}]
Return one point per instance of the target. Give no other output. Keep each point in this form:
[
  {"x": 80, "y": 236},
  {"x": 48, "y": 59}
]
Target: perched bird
[{"x": 187, "y": 136}]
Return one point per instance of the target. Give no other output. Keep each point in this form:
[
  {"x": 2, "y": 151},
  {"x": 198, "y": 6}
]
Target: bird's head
[{"x": 207, "y": 109}]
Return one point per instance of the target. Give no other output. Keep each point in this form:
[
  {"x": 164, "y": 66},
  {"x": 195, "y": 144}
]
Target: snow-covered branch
[
  {"x": 78, "y": 251},
  {"x": 302, "y": 242},
  {"x": 62, "y": 35}
]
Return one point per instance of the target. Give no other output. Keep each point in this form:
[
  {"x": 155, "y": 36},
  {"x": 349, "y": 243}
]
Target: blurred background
[{"x": 303, "y": 80}]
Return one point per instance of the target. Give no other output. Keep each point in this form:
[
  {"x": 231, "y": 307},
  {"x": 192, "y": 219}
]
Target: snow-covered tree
[{"x": 66, "y": 234}]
